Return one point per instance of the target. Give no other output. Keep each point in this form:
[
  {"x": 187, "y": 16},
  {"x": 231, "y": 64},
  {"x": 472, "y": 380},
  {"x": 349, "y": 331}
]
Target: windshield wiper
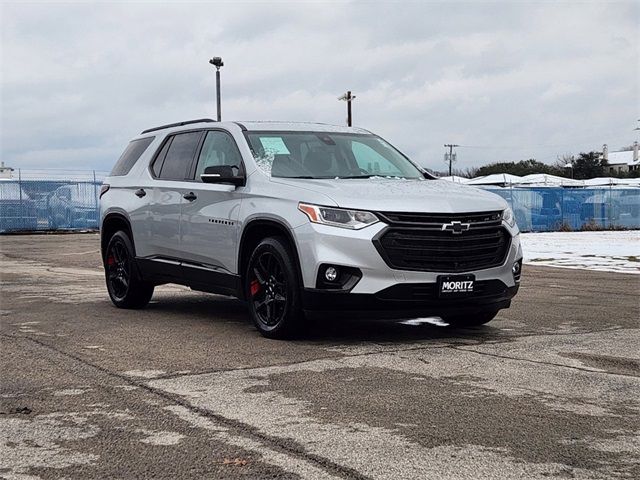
[{"x": 358, "y": 176}]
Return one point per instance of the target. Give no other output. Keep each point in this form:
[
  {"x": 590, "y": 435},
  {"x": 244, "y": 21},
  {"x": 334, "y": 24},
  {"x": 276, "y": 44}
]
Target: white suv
[{"x": 302, "y": 217}]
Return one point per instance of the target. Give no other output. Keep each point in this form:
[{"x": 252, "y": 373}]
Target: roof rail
[{"x": 179, "y": 124}]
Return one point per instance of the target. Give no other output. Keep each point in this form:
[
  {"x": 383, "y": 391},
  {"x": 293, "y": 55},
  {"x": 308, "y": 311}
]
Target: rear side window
[
  {"x": 177, "y": 163},
  {"x": 130, "y": 156}
]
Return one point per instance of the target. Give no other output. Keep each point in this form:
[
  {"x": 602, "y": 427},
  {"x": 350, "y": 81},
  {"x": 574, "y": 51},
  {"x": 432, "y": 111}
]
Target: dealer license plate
[{"x": 455, "y": 285}]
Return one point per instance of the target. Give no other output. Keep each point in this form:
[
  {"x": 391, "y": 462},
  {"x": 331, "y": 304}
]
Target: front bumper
[
  {"x": 382, "y": 288},
  {"x": 407, "y": 301}
]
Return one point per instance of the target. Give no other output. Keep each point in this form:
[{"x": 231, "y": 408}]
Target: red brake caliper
[
  {"x": 110, "y": 260},
  {"x": 254, "y": 287}
]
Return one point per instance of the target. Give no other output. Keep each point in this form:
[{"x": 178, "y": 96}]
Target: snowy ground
[{"x": 617, "y": 251}]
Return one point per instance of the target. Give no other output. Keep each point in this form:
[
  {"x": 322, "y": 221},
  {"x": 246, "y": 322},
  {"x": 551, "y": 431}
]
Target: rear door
[
  {"x": 171, "y": 170},
  {"x": 209, "y": 223}
]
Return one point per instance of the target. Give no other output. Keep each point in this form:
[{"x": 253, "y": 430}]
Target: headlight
[
  {"x": 507, "y": 216},
  {"x": 338, "y": 217}
]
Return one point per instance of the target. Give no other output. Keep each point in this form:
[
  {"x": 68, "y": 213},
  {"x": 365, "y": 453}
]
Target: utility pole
[
  {"x": 450, "y": 157},
  {"x": 348, "y": 97},
  {"x": 217, "y": 62}
]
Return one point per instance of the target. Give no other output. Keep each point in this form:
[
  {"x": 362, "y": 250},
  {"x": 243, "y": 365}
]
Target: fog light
[
  {"x": 516, "y": 268},
  {"x": 331, "y": 274}
]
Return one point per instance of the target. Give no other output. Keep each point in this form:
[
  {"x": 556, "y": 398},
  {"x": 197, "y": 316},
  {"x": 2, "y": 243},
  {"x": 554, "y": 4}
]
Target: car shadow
[{"x": 319, "y": 329}]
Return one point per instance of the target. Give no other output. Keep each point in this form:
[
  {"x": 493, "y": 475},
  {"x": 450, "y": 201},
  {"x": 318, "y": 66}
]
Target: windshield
[{"x": 328, "y": 155}]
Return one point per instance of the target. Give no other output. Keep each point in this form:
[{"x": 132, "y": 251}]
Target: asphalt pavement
[{"x": 186, "y": 388}]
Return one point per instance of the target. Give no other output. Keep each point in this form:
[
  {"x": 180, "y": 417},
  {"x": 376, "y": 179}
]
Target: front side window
[
  {"x": 179, "y": 156},
  {"x": 218, "y": 149},
  {"x": 328, "y": 155}
]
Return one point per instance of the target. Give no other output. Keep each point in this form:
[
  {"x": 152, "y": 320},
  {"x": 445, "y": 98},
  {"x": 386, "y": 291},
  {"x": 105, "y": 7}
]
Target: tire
[
  {"x": 272, "y": 289},
  {"x": 126, "y": 288},
  {"x": 471, "y": 320}
]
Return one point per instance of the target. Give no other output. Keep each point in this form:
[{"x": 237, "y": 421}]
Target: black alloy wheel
[
  {"x": 126, "y": 288},
  {"x": 118, "y": 269},
  {"x": 272, "y": 289},
  {"x": 269, "y": 289}
]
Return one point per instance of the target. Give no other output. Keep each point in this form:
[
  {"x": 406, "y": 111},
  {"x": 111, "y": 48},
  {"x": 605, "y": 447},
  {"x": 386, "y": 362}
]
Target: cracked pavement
[{"x": 186, "y": 388}]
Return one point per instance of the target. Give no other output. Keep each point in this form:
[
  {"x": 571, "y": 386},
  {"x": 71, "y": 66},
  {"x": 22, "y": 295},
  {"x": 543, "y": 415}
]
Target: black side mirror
[{"x": 223, "y": 174}]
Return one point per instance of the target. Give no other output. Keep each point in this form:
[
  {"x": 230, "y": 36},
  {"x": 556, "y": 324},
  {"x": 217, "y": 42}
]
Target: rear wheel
[
  {"x": 273, "y": 290},
  {"x": 471, "y": 320},
  {"x": 126, "y": 288}
]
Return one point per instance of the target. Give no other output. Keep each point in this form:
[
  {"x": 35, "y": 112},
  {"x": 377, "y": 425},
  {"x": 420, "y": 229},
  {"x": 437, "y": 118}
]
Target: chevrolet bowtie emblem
[{"x": 455, "y": 227}]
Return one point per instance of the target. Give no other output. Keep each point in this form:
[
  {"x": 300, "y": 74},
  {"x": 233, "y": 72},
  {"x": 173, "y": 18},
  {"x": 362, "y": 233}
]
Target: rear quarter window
[{"x": 130, "y": 156}]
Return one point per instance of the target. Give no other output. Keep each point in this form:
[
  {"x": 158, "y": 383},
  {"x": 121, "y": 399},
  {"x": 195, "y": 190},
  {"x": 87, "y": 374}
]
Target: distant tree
[
  {"x": 589, "y": 165},
  {"x": 470, "y": 172},
  {"x": 521, "y": 168}
]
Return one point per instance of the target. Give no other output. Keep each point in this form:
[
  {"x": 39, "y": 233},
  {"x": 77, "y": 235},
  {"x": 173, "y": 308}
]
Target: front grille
[{"x": 416, "y": 241}]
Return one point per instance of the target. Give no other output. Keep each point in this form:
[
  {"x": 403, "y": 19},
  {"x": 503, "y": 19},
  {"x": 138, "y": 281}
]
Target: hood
[{"x": 393, "y": 195}]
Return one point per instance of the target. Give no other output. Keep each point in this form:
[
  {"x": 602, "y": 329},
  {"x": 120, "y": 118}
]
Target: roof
[
  {"x": 495, "y": 179},
  {"x": 621, "y": 158},
  {"x": 601, "y": 181},
  {"x": 266, "y": 126},
  {"x": 544, "y": 179},
  {"x": 455, "y": 179},
  {"x": 257, "y": 126}
]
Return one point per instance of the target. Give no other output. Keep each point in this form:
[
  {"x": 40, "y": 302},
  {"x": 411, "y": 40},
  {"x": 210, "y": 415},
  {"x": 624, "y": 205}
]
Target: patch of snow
[
  {"x": 437, "y": 321},
  {"x": 610, "y": 251},
  {"x": 265, "y": 162}
]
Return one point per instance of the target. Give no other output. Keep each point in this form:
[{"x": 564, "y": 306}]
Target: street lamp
[{"x": 217, "y": 62}]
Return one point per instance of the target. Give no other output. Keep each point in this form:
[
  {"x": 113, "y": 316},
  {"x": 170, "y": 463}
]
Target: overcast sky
[{"x": 514, "y": 80}]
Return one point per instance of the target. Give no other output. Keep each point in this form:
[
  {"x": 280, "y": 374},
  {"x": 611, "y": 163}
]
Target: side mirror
[{"x": 223, "y": 174}]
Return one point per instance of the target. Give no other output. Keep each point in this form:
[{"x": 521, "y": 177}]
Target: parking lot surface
[{"x": 186, "y": 388}]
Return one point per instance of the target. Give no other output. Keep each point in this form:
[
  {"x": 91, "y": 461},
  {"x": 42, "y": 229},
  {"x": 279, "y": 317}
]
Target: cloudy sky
[{"x": 507, "y": 80}]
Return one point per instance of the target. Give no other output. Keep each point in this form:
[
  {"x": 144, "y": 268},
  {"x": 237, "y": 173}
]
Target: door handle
[
  {"x": 190, "y": 196},
  {"x": 140, "y": 193}
]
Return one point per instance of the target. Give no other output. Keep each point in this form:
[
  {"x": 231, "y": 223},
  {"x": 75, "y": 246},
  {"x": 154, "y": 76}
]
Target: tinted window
[
  {"x": 218, "y": 149},
  {"x": 130, "y": 156},
  {"x": 157, "y": 164},
  {"x": 180, "y": 155}
]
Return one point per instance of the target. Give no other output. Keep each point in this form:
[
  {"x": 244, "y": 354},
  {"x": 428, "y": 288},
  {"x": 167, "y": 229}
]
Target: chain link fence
[
  {"x": 33, "y": 200},
  {"x": 552, "y": 209},
  {"x": 61, "y": 200}
]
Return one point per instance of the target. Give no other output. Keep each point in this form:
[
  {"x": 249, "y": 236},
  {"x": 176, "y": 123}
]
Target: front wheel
[
  {"x": 126, "y": 288},
  {"x": 471, "y": 320},
  {"x": 272, "y": 289}
]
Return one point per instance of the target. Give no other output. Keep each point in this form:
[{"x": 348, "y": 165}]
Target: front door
[{"x": 209, "y": 225}]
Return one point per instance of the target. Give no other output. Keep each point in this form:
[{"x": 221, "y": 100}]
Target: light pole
[
  {"x": 217, "y": 62},
  {"x": 348, "y": 97}
]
